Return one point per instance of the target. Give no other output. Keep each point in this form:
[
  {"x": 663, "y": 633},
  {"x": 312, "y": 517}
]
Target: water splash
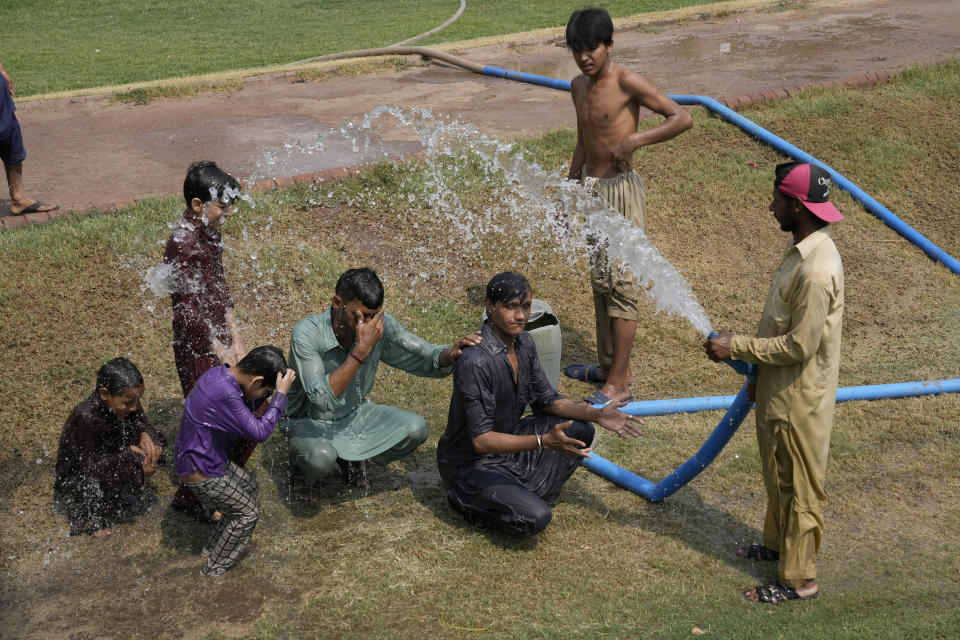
[
  {"x": 466, "y": 203},
  {"x": 664, "y": 285},
  {"x": 158, "y": 279},
  {"x": 528, "y": 204}
]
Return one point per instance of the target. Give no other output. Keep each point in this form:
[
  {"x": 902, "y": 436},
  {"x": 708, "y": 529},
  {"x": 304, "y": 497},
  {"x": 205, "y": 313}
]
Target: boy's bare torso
[
  {"x": 607, "y": 98},
  {"x": 606, "y": 116}
]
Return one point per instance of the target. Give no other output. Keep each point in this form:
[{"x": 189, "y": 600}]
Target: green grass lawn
[
  {"x": 59, "y": 45},
  {"x": 395, "y": 561}
]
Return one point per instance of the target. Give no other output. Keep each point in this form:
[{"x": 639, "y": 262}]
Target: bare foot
[
  {"x": 23, "y": 207},
  {"x": 611, "y": 388},
  {"x": 101, "y": 533},
  {"x": 809, "y": 589}
]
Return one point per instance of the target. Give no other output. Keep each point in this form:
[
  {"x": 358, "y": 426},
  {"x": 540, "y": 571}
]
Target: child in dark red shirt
[
  {"x": 107, "y": 451},
  {"x": 205, "y": 331}
]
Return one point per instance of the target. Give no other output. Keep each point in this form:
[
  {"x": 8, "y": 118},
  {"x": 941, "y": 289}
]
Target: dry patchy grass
[{"x": 395, "y": 561}]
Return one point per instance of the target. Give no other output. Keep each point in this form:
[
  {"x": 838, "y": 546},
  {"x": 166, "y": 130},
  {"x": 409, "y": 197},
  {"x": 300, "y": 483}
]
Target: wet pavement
[{"x": 87, "y": 152}]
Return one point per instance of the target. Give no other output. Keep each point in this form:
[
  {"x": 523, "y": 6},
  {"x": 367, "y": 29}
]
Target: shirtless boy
[{"x": 607, "y": 98}]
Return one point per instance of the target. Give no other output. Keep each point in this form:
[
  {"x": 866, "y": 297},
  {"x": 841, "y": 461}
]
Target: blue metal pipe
[
  {"x": 844, "y": 394},
  {"x": 871, "y": 205},
  {"x": 689, "y": 470},
  {"x": 519, "y": 76},
  {"x": 781, "y": 145}
]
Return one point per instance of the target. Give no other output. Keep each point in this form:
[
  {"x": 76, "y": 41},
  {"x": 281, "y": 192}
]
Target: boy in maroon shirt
[
  {"x": 205, "y": 331},
  {"x": 107, "y": 451}
]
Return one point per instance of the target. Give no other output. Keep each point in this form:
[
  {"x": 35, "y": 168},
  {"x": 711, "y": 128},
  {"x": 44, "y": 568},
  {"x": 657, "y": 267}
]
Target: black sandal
[
  {"x": 775, "y": 593},
  {"x": 756, "y": 551}
]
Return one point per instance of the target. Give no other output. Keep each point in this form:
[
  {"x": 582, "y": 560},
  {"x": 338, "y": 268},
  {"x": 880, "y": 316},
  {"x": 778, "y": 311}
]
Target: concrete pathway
[{"x": 87, "y": 153}]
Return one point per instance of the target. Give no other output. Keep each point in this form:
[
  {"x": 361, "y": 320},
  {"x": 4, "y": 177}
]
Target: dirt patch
[{"x": 164, "y": 596}]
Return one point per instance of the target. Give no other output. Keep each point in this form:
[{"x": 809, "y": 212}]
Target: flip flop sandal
[
  {"x": 583, "y": 372},
  {"x": 33, "y": 208},
  {"x": 599, "y": 398},
  {"x": 775, "y": 593},
  {"x": 756, "y": 551}
]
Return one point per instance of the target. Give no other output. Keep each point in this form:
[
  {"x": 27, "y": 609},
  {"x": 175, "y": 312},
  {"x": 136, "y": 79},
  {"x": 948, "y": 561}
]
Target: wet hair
[
  {"x": 118, "y": 375},
  {"x": 207, "y": 181},
  {"x": 588, "y": 28},
  {"x": 266, "y": 361},
  {"x": 361, "y": 284},
  {"x": 507, "y": 286}
]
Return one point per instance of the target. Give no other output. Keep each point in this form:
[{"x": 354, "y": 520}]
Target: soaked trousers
[
  {"x": 794, "y": 464},
  {"x": 511, "y": 494},
  {"x": 616, "y": 291},
  {"x": 234, "y": 496},
  {"x": 313, "y": 455}
]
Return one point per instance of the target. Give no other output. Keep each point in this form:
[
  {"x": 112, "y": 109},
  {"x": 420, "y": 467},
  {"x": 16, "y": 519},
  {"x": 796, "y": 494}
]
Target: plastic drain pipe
[
  {"x": 690, "y": 469},
  {"x": 737, "y": 408}
]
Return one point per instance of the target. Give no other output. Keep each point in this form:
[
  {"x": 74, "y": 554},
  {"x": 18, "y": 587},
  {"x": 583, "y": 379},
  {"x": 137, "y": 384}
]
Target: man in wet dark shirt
[
  {"x": 107, "y": 451},
  {"x": 502, "y": 468}
]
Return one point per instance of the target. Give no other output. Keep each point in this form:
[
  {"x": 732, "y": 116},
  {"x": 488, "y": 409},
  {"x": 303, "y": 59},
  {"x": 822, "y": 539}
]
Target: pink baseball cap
[{"x": 809, "y": 183}]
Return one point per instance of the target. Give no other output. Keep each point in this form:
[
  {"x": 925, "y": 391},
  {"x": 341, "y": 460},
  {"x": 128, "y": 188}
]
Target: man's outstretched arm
[
  {"x": 556, "y": 439},
  {"x": 609, "y": 417}
]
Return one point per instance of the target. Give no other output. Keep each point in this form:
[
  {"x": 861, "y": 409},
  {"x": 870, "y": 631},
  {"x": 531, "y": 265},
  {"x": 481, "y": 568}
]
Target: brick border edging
[
  {"x": 870, "y": 79},
  {"x": 266, "y": 184}
]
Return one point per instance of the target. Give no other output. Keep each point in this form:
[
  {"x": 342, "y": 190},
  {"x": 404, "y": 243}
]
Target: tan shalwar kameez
[{"x": 797, "y": 350}]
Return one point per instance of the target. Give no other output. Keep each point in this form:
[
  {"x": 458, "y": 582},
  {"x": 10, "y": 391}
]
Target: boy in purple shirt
[{"x": 216, "y": 413}]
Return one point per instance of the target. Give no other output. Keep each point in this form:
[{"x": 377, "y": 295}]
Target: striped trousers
[{"x": 234, "y": 496}]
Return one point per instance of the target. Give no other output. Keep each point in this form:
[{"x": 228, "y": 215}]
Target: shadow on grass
[
  {"x": 329, "y": 490},
  {"x": 578, "y": 345},
  {"x": 18, "y": 468},
  {"x": 685, "y": 517}
]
